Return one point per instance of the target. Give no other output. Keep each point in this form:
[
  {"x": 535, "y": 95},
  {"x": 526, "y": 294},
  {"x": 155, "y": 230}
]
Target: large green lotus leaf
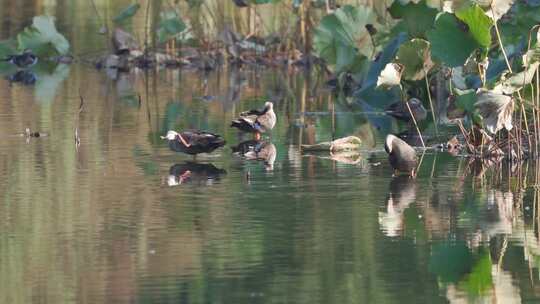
[
  {"x": 170, "y": 26},
  {"x": 342, "y": 36},
  {"x": 417, "y": 17},
  {"x": 127, "y": 13},
  {"x": 522, "y": 17},
  {"x": 494, "y": 9},
  {"x": 43, "y": 38},
  {"x": 479, "y": 24},
  {"x": 452, "y": 42},
  {"x": 415, "y": 57}
]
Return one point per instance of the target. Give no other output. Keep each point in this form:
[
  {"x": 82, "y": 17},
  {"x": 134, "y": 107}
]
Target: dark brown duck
[
  {"x": 402, "y": 157},
  {"x": 193, "y": 142}
]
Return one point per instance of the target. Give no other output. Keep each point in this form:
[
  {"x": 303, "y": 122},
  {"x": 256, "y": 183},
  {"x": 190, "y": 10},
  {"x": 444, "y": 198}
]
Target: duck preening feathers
[
  {"x": 256, "y": 121},
  {"x": 402, "y": 157},
  {"x": 193, "y": 142}
]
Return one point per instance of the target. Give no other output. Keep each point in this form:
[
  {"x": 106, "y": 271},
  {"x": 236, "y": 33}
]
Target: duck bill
[{"x": 163, "y": 137}]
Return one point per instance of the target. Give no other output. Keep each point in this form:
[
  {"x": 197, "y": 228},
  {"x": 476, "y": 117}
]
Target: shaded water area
[{"x": 115, "y": 220}]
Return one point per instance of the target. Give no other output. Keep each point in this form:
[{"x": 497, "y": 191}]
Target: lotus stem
[
  {"x": 535, "y": 125},
  {"x": 499, "y": 39},
  {"x": 404, "y": 97},
  {"x": 500, "y": 42},
  {"x": 537, "y": 105},
  {"x": 415, "y": 124},
  {"x": 146, "y": 18},
  {"x": 431, "y": 103},
  {"x": 419, "y": 163}
]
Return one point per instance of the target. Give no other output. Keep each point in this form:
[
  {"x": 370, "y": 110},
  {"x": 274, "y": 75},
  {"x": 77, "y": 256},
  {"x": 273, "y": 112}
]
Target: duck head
[
  {"x": 171, "y": 135},
  {"x": 268, "y": 105}
]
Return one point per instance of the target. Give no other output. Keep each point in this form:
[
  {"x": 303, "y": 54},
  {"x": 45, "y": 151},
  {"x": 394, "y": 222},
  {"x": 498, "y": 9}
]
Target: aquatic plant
[{"x": 454, "y": 50}]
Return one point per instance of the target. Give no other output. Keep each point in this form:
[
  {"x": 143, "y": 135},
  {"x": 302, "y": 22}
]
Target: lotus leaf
[
  {"x": 342, "y": 37},
  {"x": 170, "y": 26},
  {"x": 522, "y": 17},
  {"x": 43, "y": 38},
  {"x": 454, "y": 39},
  {"x": 465, "y": 100},
  {"x": 416, "y": 16},
  {"x": 479, "y": 24},
  {"x": 496, "y": 110},
  {"x": 415, "y": 57},
  {"x": 517, "y": 81}
]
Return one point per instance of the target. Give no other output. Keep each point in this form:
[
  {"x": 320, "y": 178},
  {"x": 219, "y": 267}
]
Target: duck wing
[
  {"x": 248, "y": 123},
  {"x": 203, "y": 139},
  {"x": 253, "y": 112},
  {"x": 267, "y": 120}
]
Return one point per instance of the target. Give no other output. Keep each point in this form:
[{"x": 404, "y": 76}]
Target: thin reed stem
[{"x": 431, "y": 103}]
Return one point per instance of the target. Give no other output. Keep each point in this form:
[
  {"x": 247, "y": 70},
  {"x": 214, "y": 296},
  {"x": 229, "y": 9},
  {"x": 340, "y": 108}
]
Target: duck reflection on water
[
  {"x": 257, "y": 150},
  {"x": 402, "y": 193},
  {"x": 24, "y": 77},
  {"x": 191, "y": 172}
]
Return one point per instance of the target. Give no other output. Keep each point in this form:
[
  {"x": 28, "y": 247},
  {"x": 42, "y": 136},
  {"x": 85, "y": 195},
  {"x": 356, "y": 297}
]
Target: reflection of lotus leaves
[
  {"x": 47, "y": 84},
  {"x": 450, "y": 261},
  {"x": 173, "y": 111}
]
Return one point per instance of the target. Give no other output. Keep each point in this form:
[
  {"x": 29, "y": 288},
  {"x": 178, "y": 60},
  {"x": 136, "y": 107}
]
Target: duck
[
  {"x": 402, "y": 157},
  {"x": 257, "y": 150},
  {"x": 193, "y": 172},
  {"x": 399, "y": 110},
  {"x": 24, "y": 60},
  {"x": 256, "y": 121},
  {"x": 193, "y": 142}
]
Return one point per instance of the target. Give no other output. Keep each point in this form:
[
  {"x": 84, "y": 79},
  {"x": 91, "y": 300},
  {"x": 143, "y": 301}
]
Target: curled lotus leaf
[
  {"x": 496, "y": 110},
  {"x": 517, "y": 81}
]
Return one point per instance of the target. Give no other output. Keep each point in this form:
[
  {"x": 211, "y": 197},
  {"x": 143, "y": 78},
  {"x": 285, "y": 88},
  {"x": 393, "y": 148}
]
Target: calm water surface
[{"x": 117, "y": 220}]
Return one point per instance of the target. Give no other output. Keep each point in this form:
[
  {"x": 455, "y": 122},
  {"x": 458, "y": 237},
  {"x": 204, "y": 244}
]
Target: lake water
[{"x": 118, "y": 220}]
